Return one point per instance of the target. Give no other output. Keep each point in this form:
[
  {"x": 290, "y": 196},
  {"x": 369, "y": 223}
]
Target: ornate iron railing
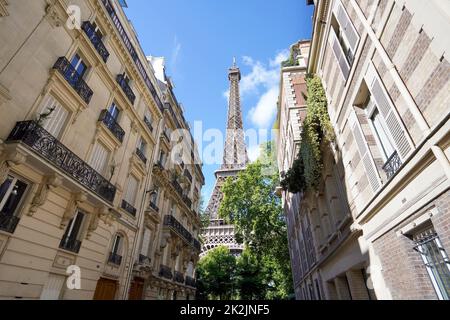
[
  {"x": 114, "y": 258},
  {"x": 141, "y": 155},
  {"x": 165, "y": 272},
  {"x": 95, "y": 40},
  {"x": 8, "y": 223},
  {"x": 178, "y": 277},
  {"x": 174, "y": 224},
  {"x": 128, "y": 208},
  {"x": 50, "y": 149},
  {"x": 159, "y": 165},
  {"x": 187, "y": 201},
  {"x": 74, "y": 79},
  {"x": 70, "y": 244},
  {"x": 154, "y": 206},
  {"x": 148, "y": 124},
  {"x": 190, "y": 282},
  {"x": 126, "y": 88},
  {"x": 111, "y": 123},
  {"x": 197, "y": 244},
  {"x": 392, "y": 165},
  {"x": 188, "y": 175},
  {"x": 127, "y": 42},
  {"x": 166, "y": 136},
  {"x": 177, "y": 187}
]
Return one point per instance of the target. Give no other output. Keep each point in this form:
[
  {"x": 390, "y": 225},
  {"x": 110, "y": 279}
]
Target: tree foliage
[{"x": 317, "y": 129}]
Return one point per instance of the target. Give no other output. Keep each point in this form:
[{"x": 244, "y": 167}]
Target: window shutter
[
  {"x": 132, "y": 189},
  {"x": 53, "y": 287},
  {"x": 145, "y": 242},
  {"x": 56, "y": 120},
  {"x": 387, "y": 110},
  {"x": 364, "y": 151},
  {"x": 99, "y": 158},
  {"x": 338, "y": 53},
  {"x": 346, "y": 26}
]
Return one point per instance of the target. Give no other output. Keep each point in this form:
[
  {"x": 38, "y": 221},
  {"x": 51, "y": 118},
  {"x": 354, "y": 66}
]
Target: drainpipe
[{"x": 393, "y": 72}]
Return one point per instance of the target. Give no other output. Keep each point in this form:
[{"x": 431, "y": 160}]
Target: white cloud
[
  {"x": 175, "y": 53},
  {"x": 281, "y": 56},
  {"x": 265, "y": 110},
  {"x": 254, "y": 152}
]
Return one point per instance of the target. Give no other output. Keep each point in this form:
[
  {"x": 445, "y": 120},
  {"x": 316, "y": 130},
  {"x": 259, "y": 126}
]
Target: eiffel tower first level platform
[{"x": 235, "y": 159}]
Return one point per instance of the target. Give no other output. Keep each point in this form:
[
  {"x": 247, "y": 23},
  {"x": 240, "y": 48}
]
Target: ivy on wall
[{"x": 307, "y": 169}]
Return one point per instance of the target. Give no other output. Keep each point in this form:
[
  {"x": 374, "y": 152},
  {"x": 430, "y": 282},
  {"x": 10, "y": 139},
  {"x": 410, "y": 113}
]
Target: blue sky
[{"x": 199, "y": 39}]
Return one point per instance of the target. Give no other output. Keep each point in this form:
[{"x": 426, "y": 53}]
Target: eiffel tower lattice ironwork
[{"x": 235, "y": 159}]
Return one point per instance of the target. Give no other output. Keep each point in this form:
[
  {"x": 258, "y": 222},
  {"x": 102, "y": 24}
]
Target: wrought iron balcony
[
  {"x": 178, "y": 277},
  {"x": 148, "y": 124},
  {"x": 188, "y": 175},
  {"x": 126, "y": 88},
  {"x": 74, "y": 79},
  {"x": 159, "y": 165},
  {"x": 95, "y": 40},
  {"x": 190, "y": 282},
  {"x": 392, "y": 165},
  {"x": 111, "y": 123},
  {"x": 50, "y": 149},
  {"x": 175, "y": 225},
  {"x": 187, "y": 201},
  {"x": 165, "y": 272},
  {"x": 177, "y": 187},
  {"x": 70, "y": 244},
  {"x": 154, "y": 206},
  {"x": 129, "y": 208},
  {"x": 8, "y": 222},
  {"x": 166, "y": 136},
  {"x": 114, "y": 258},
  {"x": 132, "y": 51},
  {"x": 141, "y": 155}
]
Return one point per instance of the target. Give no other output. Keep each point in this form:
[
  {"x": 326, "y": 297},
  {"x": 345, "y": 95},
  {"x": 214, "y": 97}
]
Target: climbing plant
[{"x": 317, "y": 129}]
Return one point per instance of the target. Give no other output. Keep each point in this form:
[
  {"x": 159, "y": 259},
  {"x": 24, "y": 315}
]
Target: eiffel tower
[{"x": 235, "y": 159}]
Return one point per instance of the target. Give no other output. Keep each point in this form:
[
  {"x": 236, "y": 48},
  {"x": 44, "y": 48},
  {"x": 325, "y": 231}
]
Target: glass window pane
[
  {"x": 383, "y": 137},
  {"x": 14, "y": 198},
  {"x": 4, "y": 188}
]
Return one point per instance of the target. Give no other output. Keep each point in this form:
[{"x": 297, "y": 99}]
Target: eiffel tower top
[{"x": 235, "y": 152}]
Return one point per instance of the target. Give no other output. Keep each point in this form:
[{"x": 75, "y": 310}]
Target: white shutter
[
  {"x": 346, "y": 25},
  {"x": 53, "y": 287},
  {"x": 99, "y": 158},
  {"x": 364, "y": 151},
  {"x": 132, "y": 189},
  {"x": 56, "y": 120},
  {"x": 395, "y": 126},
  {"x": 338, "y": 53},
  {"x": 145, "y": 242}
]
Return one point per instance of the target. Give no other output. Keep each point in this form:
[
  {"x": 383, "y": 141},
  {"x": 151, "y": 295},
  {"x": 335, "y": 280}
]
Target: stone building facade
[
  {"x": 84, "y": 121},
  {"x": 378, "y": 227}
]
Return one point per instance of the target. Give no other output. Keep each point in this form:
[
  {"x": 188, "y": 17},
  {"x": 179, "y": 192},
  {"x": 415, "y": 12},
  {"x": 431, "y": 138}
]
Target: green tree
[
  {"x": 215, "y": 274},
  {"x": 251, "y": 281}
]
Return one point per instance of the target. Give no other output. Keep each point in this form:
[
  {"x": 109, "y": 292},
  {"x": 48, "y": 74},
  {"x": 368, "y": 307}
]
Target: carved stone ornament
[
  {"x": 71, "y": 209},
  {"x": 49, "y": 183},
  {"x": 8, "y": 159},
  {"x": 54, "y": 15}
]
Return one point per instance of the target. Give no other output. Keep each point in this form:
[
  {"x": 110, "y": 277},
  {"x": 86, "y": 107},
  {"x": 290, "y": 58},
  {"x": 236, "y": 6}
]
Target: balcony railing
[
  {"x": 148, "y": 124},
  {"x": 95, "y": 40},
  {"x": 197, "y": 244},
  {"x": 190, "y": 282},
  {"x": 392, "y": 165},
  {"x": 159, "y": 165},
  {"x": 50, "y": 149},
  {"x": 165, "y": 272},
  {"x": 8, "y": 223},
  {"x": 74, "y": 79},
  {"x": 154, "y": 206},
  {"x": 177, "y": 187},
  {"x": 188, "y": 175},
  {"x": 144, "y": 259},
  {"x": 175, "y": 225},
  {"x": 114, "y": 258},
  {"x": 129, "y": 208},
  {"x": 132, "y": 51},
  {"x": 187, "y": 201},
  {"x": 141, "y": 155},
  {"x": 111, "y": 123},
  {"x": 178, "y": 277},
  {"x": 166, "y": 136},
  {"x": 126, "y": 88},
  {"x": 70, "y": 244}
]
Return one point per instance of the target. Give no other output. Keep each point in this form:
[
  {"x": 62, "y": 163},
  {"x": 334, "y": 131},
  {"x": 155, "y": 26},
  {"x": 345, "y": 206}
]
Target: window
[
  {"x": 173, "y": 209},
  {"x": 97, "y": 30},
  {"x": 115, "y": 255},
  {"x": 99, "y": 158},
  {"x": 53, "y": 287},
  {"x": 12, "y": 193},
  {"x": 382, "y": 135},
  {"x": 132, "y": 189},
  {"x": 53, "y": 116},
  {"x": 154, "y": 197},
  {"x": 79, "y": 65},
  {"x": 71, "y": 239},
  {"x": 114, "y": 111},
  {"x": 146, "y": 242},
  {"x": 142, "y": 146},
  {"x": 162, "y": 158},
  {"x": 436, "y": 260},
  {"x": 345, "y": 31}
]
